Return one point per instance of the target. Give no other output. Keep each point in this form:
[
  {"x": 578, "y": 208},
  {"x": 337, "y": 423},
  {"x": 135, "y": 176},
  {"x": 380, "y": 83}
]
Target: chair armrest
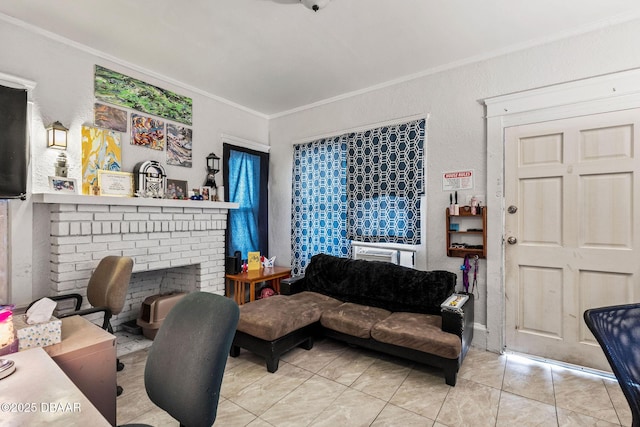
[
  {"x": 76, "y": 297},
  {"x": 292, "y": 285},
  {"x": 106, "y": 324},
  {"x": 460, "y": 321}
]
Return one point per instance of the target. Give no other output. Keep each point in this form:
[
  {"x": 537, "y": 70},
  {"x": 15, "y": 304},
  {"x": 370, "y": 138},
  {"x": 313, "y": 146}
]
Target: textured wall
[{"x": 456, "y": 137}]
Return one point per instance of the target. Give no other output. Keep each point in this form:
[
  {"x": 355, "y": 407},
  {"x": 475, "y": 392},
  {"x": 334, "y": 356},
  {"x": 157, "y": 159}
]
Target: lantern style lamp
[
  {"x": 213, "y": 167},
  {"x": 57, "y": 136}
]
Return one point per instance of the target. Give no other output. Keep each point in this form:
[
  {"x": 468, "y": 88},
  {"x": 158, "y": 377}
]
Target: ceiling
[{"x": 275, "y": 56}]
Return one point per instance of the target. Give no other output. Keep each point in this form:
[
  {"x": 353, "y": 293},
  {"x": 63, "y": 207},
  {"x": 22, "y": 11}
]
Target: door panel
[
  {"x": 575, "y": 184},
  {"x": 541, "y": 205},
  {"x": 606, "y": 219},
  {"x": 541, "y": 287}
]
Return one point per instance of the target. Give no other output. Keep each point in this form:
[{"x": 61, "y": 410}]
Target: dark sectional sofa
[{"x": 375, "y": 305}]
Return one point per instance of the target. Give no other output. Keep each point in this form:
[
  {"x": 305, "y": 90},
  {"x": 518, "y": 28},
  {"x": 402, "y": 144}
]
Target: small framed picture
[
  {"x": 206, "y": 193},
  {"x": 62, "y": 184},
  {"x": 112, "y": 183},
  {"x": 177, "y": 189}
]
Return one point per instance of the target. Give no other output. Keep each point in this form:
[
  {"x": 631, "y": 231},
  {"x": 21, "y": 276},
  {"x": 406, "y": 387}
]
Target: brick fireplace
[{"x": 176, "y": 245}]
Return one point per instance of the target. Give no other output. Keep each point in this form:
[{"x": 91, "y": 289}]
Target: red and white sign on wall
[{"x": 457, "y": 180}]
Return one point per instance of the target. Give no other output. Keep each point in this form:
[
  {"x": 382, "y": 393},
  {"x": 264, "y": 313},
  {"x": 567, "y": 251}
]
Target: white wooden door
[{"x": 575, "y": 185}]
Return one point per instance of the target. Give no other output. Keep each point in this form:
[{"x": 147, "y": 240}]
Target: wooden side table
[{"x": 269, "y": 274}]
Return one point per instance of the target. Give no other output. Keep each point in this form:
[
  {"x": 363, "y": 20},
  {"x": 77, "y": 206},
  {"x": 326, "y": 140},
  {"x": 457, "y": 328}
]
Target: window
[
  {"x": 319, "y": 209},
  {"x": 385, "y": 180},
  {"x": 246, "y": 175},
  {"x": 363, "y": 186}
]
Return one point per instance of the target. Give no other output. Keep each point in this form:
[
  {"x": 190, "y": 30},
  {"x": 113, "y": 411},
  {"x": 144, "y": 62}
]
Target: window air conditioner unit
[
  {"x": 403, "y": 255},
  {"x": 375, "y": 254}
]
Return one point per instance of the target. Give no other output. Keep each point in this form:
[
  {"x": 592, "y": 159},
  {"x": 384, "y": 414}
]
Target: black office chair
[
  {"x": 186, "y": 362},
  {"x": 617, "y": 329}
]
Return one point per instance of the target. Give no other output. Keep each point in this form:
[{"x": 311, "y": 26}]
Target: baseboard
[{"x": 479, "y": 336}]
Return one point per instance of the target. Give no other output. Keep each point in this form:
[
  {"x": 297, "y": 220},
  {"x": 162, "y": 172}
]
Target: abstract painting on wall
[
  {"x": 109, "y": 118},
  {"x": 115, "y": 88},
  {"x": 178, "y": 145},
  {"x": 147, "y": 132},
  {"x": 101, "y": 150}
]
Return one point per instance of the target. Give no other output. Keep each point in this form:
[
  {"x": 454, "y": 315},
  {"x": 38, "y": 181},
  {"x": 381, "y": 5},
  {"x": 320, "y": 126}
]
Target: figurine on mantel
[
  {"x": 60, "y": 165},
  {"x": 150, "y": 179}
]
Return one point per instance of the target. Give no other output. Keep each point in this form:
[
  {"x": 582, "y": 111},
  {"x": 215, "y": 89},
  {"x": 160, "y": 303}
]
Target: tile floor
[{"x": 337, "y": 385}]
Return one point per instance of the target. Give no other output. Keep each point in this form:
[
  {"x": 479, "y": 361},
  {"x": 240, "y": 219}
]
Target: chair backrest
[
  {"x": 109, "y": 283},
  {"x": 186, "y": 362},
  {"x": 617, "y": 329}
]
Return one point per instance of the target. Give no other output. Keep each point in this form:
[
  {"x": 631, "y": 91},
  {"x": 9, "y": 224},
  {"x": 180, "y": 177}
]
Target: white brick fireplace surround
[{"x": 176, "y": 245}]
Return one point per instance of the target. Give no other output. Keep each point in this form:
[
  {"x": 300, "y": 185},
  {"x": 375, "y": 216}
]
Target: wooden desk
[
  {"x": 270, "y": 274},
  {"x": 39, "y": 393},
  {"x": 87, "y": 354}
]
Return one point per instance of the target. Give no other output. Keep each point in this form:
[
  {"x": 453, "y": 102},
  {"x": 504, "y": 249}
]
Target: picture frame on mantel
[
  {"x": 205, "y": 192},
  {"x": 177, "y": 189},
  {"x": 62, "y": 184},
  {"x": 117, "y": 184}
]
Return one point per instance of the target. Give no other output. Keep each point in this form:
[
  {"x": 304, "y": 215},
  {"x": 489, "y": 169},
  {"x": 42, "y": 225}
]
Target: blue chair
[{"x": 617, "y": 329}]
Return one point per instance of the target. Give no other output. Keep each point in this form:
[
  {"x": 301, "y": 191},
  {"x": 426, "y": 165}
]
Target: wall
[
  {"x": 64, "y": 91},
  {"x": 456, "y": 134}
]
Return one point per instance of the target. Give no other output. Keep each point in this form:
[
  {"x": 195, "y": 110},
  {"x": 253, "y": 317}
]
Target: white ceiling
[{"x": 274, "y": 56}]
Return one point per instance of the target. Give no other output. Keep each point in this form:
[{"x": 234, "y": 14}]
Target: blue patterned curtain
[
  {"x": 362, "y": 186},
  {"x": 319, "y": 201},
  {"x": 385, "y": 180}
]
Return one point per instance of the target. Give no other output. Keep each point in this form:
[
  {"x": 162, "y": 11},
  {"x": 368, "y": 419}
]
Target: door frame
[{"x": 601, "y": 94}]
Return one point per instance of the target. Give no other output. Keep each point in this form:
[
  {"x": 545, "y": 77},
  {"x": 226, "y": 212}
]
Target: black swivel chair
[
  {"x": 617, "y": 329},
  {"x": 186, "y": 362}
]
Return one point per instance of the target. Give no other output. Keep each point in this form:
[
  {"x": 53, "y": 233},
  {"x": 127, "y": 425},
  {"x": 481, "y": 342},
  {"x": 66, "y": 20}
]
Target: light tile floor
[{"x": 337, "y": 385}]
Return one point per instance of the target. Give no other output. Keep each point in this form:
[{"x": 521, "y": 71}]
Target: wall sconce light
[
  {"x": 57, "y": 136},
  {"x": 213, "y": 167}
]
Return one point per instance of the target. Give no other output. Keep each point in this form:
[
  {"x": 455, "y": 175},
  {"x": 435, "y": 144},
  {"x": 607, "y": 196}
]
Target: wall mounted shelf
[{"x": 472, "y": 231}]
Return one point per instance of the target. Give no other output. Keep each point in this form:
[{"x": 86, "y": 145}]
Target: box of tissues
[
  {"x": 37, "y": 328},
  {"x": 37, "y": 335}
]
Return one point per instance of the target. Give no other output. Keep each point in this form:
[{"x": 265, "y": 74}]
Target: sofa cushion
[
  {"x": 379, "y": 284},
  {"x": 421, "y": 332},
  {"x": 274, "y": 317},
  {"x": 325, "y": 302},
  {"x": 353, "y": 319}
]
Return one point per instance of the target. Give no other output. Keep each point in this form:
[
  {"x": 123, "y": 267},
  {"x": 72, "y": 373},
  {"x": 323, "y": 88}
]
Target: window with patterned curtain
[
  {"x": 363, "y": 186},
  {"x": 385, "y": 179},
  {"x": 319, "y": 201}
]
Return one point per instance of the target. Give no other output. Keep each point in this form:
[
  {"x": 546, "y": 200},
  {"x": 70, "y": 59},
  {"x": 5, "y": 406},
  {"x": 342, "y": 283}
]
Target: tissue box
[{"x": 38, "y": 335}]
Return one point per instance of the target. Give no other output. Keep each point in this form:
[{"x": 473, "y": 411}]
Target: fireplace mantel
[{"x": 77, "y": 199}]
